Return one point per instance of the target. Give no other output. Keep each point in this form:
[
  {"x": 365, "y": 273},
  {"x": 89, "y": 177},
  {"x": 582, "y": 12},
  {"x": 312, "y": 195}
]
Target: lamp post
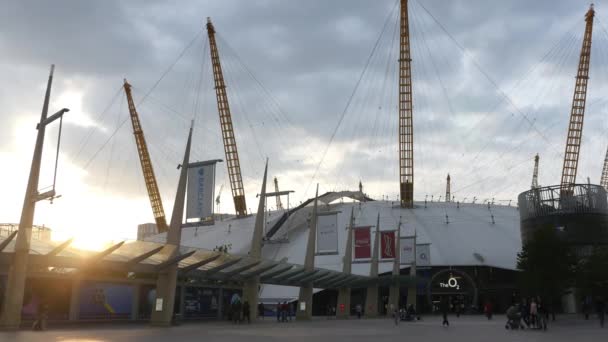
[{"x": 11, "y": 311}]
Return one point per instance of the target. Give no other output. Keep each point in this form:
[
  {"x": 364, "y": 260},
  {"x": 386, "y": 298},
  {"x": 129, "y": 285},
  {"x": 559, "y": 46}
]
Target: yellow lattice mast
[
  {"x": 223, "y": 107},
  {"x": 535, "y": 172},
  {"x": 146, "y": 164},
  {"x": 406, "y": 127},
  {"x": 448, "y": 194},
  {"x": 276, "y": 189},
  {"x": 575, "y": 128},
  {"x": 604, "y": 180}
]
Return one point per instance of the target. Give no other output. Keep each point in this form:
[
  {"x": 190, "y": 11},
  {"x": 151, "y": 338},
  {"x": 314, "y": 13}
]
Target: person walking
[
  {"x": 601, "y": 310},
  {"x": 445, "y": 307},
  {"x": 284, "y": 309},
  {"x": 524, "y": 310},
  {"x": 488, "y": 309},
  {"x": 279, "y": 306},
  {"x": 396, "y": 315},
  {"x": 533, "y": 313},
  {"x": 246, "y": 313},
  {"x": 359, "y": 309},
  {"x": 261, "y": 311},
  {"x": 457, "y": 307},
  {"x": 586, "y": 306}
]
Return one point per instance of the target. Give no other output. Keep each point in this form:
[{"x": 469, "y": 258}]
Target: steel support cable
[
  {"x": 438, "y": 74},
  {"x": 85, "y": 139},
  {"x": 231, "y": 73},
  {"x": 105, "y": 182},
  {"x": 562, "y": 60},
  {"x": 559, "y": 66},
  {"x": 88, "y": 163},
  {"x": 361, "y": 106},
  {"x": 424, "y": 92},
  {"x": 529, "y": 72},
  {"x": 385, "y": 97},
  {"x": 348, "y": 102},
  {"x": 486, "y": 75},
  {"x": 197, "y": 110},
  {"x": 276, "y": 114},
  {"x": 485, "y": 179}
]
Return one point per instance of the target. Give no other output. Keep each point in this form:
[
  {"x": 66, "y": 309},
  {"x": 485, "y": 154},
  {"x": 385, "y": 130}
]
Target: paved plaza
[{"x": 465, "y": 328}]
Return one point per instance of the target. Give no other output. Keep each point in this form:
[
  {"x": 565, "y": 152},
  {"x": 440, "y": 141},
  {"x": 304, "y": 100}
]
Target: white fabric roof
[{"x": 470, "y": 230}]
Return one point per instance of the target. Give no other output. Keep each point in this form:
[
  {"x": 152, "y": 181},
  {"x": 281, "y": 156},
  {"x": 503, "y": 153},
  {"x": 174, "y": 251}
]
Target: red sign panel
[
  {"x": 363, "y": 242},
  {"x": 387, "y": 244}
]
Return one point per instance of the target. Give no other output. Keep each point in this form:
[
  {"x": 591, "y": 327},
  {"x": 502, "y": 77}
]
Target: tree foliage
[
  {"x": 592, "y": 273},
  {"x": 547, "y": 264}
]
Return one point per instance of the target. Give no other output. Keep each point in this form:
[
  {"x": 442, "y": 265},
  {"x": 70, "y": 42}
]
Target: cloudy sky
[{"x": 312, "y": 86}]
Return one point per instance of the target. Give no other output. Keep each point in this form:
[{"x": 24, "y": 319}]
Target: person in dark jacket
[
  {"x": 261, "y": 310},
  {"x": 246, "y": 312},
  {"x": 600, "y": 306},
  {"x": 445, "y": 307}
]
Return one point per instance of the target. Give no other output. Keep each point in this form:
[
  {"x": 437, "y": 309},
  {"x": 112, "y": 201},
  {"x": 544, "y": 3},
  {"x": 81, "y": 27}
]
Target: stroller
[{"x": 514, "y": 319}]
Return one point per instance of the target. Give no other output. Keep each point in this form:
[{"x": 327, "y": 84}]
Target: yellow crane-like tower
[
  {"x": 448, "y": 195},
  {"x": 276, "y": 189},
  {"x": 535, "y": 172},
  {"x": 575, "y": 128},
  {"x": 604, "y": 180},
  {"x": 223, "y": 107},
  {"x": 146, "y": 164},
  {"x": 406, "y": 127}
]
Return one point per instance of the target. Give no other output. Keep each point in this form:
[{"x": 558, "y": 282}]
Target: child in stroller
[{"x": 513, "y": 318}]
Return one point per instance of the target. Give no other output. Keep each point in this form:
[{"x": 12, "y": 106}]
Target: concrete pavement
[{"x": 465, "y": 328}]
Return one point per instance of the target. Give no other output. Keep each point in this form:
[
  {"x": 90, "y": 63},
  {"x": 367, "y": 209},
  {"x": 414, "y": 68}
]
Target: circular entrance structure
[{"x": 579, "y": 211}]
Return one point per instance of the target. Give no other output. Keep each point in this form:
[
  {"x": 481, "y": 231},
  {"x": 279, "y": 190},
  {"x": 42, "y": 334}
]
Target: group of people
[
  {"x": 532, "y": 311},
  {"x": 284, "y": 312},
  {"x": 240, "y": 312},
  {"x": 588, "y": 305}
]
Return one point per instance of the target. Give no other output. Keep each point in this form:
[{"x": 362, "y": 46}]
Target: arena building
[{"x": 473, "y": 247}]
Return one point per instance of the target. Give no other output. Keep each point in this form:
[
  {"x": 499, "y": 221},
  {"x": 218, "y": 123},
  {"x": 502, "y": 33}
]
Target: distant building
[
  {"x": 41, "y": 233},
  {"x": 146, "y": 229}
]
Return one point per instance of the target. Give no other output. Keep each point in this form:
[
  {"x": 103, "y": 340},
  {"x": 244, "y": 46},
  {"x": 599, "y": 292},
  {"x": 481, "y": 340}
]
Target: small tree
[
  {"x": 547, "y": 264},
  {"x": 592, "y": 273}
]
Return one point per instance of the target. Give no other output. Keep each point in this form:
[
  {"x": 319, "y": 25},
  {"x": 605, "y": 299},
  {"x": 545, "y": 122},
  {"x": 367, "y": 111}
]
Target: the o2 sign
[{"x": 451, "y": 283}]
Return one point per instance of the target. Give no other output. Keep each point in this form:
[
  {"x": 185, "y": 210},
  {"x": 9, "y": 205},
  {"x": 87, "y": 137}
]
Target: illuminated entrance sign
[{"x": 452, "y": 283}]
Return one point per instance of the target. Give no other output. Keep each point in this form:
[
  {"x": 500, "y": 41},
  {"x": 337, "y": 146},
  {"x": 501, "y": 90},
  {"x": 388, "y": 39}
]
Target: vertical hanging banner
[
  {"x": 423, "y": 255},
  {"x": 362, "y": 242},
  {"x": 327, "y": 233},
  {"x": 387, "y": 244},
  {"x": 201, "y": 187},
  {"x": 406, "y": 253}
]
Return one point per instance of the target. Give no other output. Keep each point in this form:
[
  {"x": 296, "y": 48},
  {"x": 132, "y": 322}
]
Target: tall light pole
[{"x": 13, "y": 297}]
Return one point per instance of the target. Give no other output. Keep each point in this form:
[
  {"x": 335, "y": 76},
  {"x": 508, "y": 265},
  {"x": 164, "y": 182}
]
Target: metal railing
[
  {"x": 38, "y": 232},
  {"x": 558, "y": 200}
]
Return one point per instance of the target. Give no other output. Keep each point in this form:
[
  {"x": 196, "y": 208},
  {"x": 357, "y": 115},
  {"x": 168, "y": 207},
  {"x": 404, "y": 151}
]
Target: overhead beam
[
  {"x": 8, "y": 240},
  {"x": 344, "y": 281},
  {"x": 144, "y": 256},
  {"x": 288, "y": 274},
  {"x": 199, "y": 264},
  {"x": 221, "y": 267},
  {"x": 173, "y": 261},
  {"x": 302, "y": 276},
  {"x": 314, "y": 276},
  {"x": 329, "y": 278},
  {"x": 259, "y": 271},
  {"x": 60, "y": 248},
  {"x": 104, "y": 253},
  {"x": 277, "y": 272},
  {"x": 328, "y": 284},
  {"x": 238, "y": 270}
]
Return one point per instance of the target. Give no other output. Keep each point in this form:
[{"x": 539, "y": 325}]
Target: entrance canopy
[{"x": 141, "y": 258}]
